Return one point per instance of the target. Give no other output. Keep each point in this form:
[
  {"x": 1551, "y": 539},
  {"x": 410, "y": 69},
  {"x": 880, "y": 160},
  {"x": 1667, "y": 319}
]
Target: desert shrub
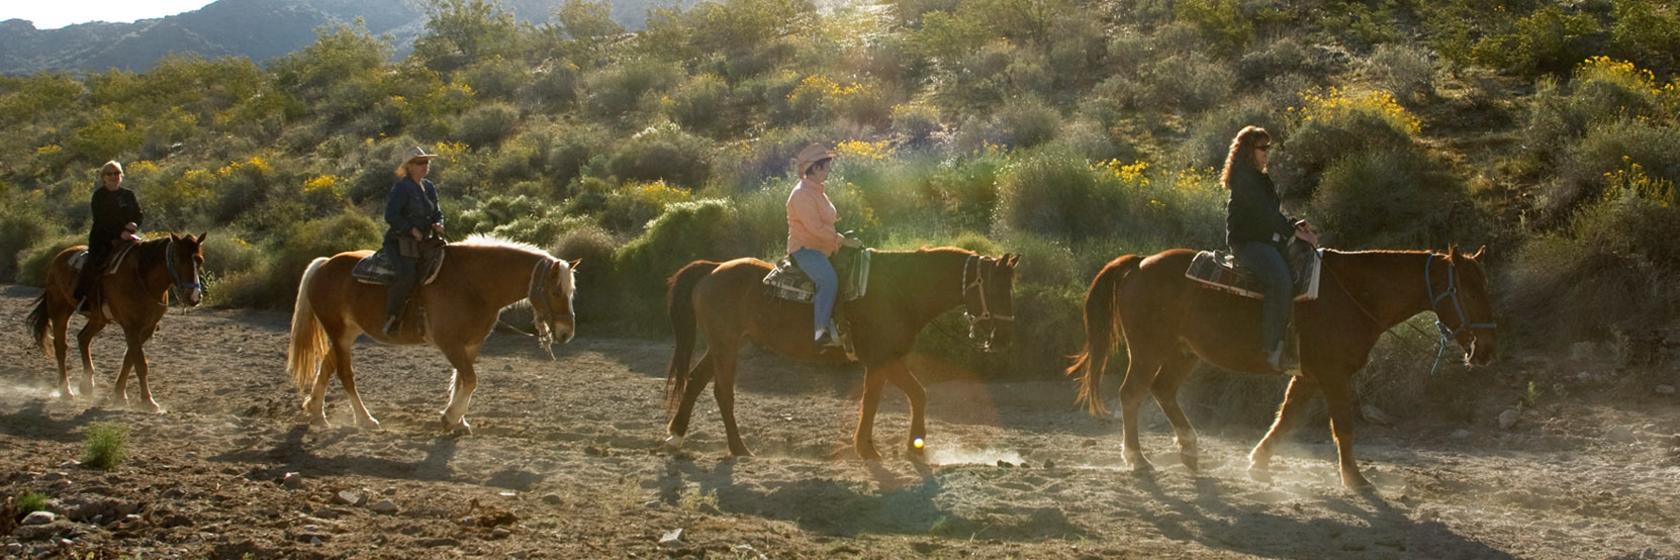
[
  {"x": 1609, "y": 147},
  {"x": 630, "y": 207},
  {"x": 1603, "y": 89},
  {"x": 1057, "y": 195},
  {"x": 553, "y": 85},
  {"x": 964, "y": 190},
  {"x": 21, "y": 227},
  {"x": 32, "y": 262},
  {"x": 272, "y": 281},
  {"x": 238, "y": 186},
  {"x": 104, "y": 445},
  {"x": 1391, "y": 198},
  {"x": 1283, "y": 56},
  {"x": 1187, "y": 81},
  {"x": 31, "y": 502},
  {"x": 819, "y": 99},
  {"x": 1221, "y": 22},
  {"x": 1209, "y": 138},
  {"x": 1547, "y": 40},
  {"x": 701, "y": 104},
  {"x": 494, "y": 77},
  {"x": 702, "y": 229},
  {"x": 486, "y": 125},
  {"x": 1089, "y": 138},
  {"x": 1022, "y": 124},
  {"x": 597, "y": 299},
  {"x": 916, "y": 123},
  {"x": 614, "y": 91},
  {"x": 770, "y": 157},
  {"x": 1646, "y": 31},
  {"x": 1405, "y": 70},
  {"x": 664, "y": 152},
  {"x": 1339, "y": 123}
]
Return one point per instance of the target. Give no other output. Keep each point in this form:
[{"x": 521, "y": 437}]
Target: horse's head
[
  {"x": 1465, "y": 307},
  {"x": 988, "y": 299},
  {"x": 552, "y": 290},
  {"x": 185, "y": 258}
]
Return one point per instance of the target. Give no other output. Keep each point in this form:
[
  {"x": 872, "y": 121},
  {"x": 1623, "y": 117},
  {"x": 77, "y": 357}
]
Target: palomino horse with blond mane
[
  {"x": 135, "y": 296},
  {"x": 1168, "y": 320},
  {"x": 730, "y": 304},
  {"x": 479, "y": 278}
]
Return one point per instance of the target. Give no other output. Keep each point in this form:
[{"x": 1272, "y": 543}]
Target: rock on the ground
[
  {"x": 39, "y": 518},
  {"x": 672, "y": 538},
  {"x": 349, "y": 498},
  {"x": 385, "y": 506},
  {"x": 1509, "y": 418},
  {"x": 292, "y": 481}
]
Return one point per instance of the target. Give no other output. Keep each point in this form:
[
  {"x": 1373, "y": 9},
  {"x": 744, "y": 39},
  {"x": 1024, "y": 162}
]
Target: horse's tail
[
  {"x": 38, "y": 320},
  {"x": 679, "y": 302},
  {"x": 1102, "y": 327},
  {"x": 309, "y": 340}
]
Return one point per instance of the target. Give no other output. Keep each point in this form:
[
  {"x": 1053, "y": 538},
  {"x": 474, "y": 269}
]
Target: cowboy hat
[
  {"x": 416, "y": 154},
  {"x": 810, "y": 156}
]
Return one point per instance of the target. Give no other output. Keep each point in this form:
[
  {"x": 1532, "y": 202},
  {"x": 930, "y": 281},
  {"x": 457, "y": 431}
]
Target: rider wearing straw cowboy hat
[
  {"x": 411, "y": 210},
  {"x": 812, "y": 238}
]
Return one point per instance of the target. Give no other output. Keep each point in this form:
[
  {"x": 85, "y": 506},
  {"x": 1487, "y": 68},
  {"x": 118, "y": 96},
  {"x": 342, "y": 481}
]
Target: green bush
[
  {"x": 31, "y": 502},
  {"x": 703, "y": 229},
  {"x": 665, "y": 153},
  {"x": 702, "y": 104},
  {"x": 597, "y": 300},
  {"x": 1646, "y": 31},
  {"x": 1283, "y": 56},
  {"x": 1057, "y": 195},
  {"x": 1392, "y": 199},
  {"x": 1338, "y": 124},
  {"x": 1608, "y": 147},
  {"x": 487, "y": 125},
  {"x": 1188, "y": 81},
  {"x": 21, "y": 227},
  {"x": 32, "y": 262},
  {"x": 105, "y": 445},
  {"x": 1022, "y": 124},
  {"x": 272, "y": 282},
  {"x": 1208, "y": 141},
  {"x": 616, "y": 90},
  {"x": 1405, "y": 70},
  {"x": 553, "y": 86},
  {"x": 1546, "y": 40},
  {"x": 494, "y": 78},
  {"x": 916, "y": 123}
]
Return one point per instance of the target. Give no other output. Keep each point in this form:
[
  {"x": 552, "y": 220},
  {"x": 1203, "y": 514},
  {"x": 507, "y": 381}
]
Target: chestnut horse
[
  {"x": 135, "y": 297},
  {"x": 730, "y": 304},
  {"x": 1168, "y": 320},
  {"x": 479, "y": 277}
]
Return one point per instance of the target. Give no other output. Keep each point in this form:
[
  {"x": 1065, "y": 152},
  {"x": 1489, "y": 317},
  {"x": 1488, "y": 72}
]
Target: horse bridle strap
[
  {"x": 1452, "y": 294},
  {"x": 175, "y": 284},
  {"x": 980, "y": 283}
]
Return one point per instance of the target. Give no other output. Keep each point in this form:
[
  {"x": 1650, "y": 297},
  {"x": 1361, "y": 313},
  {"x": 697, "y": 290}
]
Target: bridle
[
  {"x": 538, "y": 294},
  {"x": 176, "y": 286},
  {"x": 1451, "y": 294},
  {"x": 979, "y": 283}
]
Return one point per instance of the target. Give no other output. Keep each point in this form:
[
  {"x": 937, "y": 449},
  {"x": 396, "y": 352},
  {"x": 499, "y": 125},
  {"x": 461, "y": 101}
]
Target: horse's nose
[{"x": 195, "y": 296}]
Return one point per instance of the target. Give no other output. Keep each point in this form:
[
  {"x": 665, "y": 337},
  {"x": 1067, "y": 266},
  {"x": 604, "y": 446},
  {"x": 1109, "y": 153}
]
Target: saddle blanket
[
  {"x": 1218, "y": 270},
  {"x": 80, "y": 258},
  {"x": 788, "y": 282},
  {"x": 376, "y": 269}
]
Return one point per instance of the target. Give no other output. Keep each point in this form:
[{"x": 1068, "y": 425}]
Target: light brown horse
[
  {"x": 1168, "y": 320},
  {"x": 135, "y": 297},
  {"x": 479, "y": 277},
  {"x": 729, "y": 303}
]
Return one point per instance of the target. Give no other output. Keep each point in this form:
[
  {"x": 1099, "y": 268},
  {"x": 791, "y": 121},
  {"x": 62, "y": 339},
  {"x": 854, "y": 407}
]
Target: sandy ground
[{"x": 566, "y": 463}]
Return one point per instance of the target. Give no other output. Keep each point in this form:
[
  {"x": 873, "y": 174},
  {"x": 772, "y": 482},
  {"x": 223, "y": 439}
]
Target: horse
[
  {"x": 1168, "y": 321},
  {"x": 135, "y": 297},
  {"x": 907, "y": 289},
  {"x": 479, "y": 278}
]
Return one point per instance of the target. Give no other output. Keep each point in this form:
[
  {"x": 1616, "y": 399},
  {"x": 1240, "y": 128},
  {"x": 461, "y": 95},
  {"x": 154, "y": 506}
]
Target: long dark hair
[{"x": 1242, "y": 152}]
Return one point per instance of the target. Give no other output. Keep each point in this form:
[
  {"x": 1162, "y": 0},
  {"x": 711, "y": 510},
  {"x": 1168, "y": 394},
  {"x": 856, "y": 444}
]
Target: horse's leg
[
  {"x": 464, "y": 382},
  {"x": 1295, "y": 399},
  {"x": 864, "y": 440},
  {"x": 697, "y": 380},
  {"x": 1140, "y": 375},
  {"x": 1165, "y": 388},
  {"x": 347, "y": 377},
  {"x": 899, "y": 374},
  {"x": 143, "y": 369},
  {"x": 1338, "y": 394},
  {"x": 724, "y": 390},
  {"x": 84, "y": 346},
  {"x": 315, "y": 407},
  {"x": 119, "y": 393},
  {"x": 61, "y": 349}
]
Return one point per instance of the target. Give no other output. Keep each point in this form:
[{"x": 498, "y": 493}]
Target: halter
[
  {"x": 985, "y": 308},
  {"x": 537, "y": 293},
  {"x": 175, "y": 284},
  {"x": 1464, "y": 324}
]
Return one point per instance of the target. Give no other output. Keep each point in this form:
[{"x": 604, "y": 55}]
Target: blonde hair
[{"x": 110, "y": 164}]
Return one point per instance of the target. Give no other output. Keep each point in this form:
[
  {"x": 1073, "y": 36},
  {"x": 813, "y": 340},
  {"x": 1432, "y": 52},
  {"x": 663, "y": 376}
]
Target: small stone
[
  {"x": 1665, "y": 389},
  {"x": 292, "y": 481},
  {"x": 651, "y": 504},
  {"x": 1004, "y": 464},
  {"x": 1088, "y": 443},
  {"x": 14, "y": 549},
  {"x": 349, "y": 498},
  {"x": 552, "y": 499},
  {"x": 385, "y": 506},
  {"x": 1461, "y": 434},
  {"x": 1049, "y": 464},
  {"x": 1509, "y": 418},
  {"x": 500, "y": 533},
  {"x": 672, "y": 538},
  {"x": 507, "y": 494},
  {"x": 49, "y": 477}
]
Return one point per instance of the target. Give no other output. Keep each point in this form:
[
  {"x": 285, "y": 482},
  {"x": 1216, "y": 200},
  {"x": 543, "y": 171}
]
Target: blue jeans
[
  {"x": 408, "y": 274},
  {"x": 1266, "y": 262},
  {"x": 816, "y": 265}
]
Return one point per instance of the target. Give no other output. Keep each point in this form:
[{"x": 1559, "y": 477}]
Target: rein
[
  {"x": 535, "y": 292},
  {"x": 1446, "y": 334},
  {"x": 979, "y": 283}
]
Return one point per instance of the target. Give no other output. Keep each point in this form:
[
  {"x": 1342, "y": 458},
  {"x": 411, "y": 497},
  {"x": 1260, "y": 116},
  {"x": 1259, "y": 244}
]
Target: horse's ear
[
  {"x": 173, "y": 237},
  {"x": 1012, "y": 259},
  {"x": 575, "y": 263},
  {"x": 1476, "y": 256},
  {"x": 1452, "y": 251},
  {"x": 202, "y": 235}
]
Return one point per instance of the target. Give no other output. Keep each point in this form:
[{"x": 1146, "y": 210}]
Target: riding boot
[{"x": 393, "y": 325}]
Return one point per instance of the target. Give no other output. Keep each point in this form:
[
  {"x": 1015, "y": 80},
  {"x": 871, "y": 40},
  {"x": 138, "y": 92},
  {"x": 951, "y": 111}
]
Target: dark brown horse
[
  {"x": 728, "y": 302},
  {"x": 1168, "y": 320},
  {"x": 479, "y": 277},
  {"x": 135, "y": 297}
]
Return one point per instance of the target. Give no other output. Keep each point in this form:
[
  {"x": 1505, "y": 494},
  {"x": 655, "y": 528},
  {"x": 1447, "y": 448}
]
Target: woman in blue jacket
[
  {"x": 411, "y": 210},
  {"x": 1258, "y": 232}
]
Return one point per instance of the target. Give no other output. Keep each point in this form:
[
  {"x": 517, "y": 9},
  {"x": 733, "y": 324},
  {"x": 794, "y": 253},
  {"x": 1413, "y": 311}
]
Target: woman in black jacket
[
  {"x": 411, "y": 210},
  {"x": 1258, "y": 232},
  {"x": 116, "y": 215}
]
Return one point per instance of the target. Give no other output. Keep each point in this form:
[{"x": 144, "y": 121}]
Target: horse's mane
[{"x": 482, "y": 240}]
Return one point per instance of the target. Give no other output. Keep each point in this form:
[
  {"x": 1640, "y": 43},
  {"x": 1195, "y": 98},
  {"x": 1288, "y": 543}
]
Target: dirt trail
[{"x": 565, "y": 463}]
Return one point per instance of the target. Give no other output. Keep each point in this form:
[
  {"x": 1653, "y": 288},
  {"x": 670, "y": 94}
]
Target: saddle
[
  {"x": 118, "y": 252},
  {"x": 1219, "y": 270},
  {"x": 788, "y": 282},
  {"x": 376, "y": 269}
]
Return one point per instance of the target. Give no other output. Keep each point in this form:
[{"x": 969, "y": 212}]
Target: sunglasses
[
  {"x": 112, "y": 173},
  {"x": 1264, "y": 147}
]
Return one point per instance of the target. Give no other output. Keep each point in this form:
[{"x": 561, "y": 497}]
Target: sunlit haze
[{"x": 55, "y": 14}]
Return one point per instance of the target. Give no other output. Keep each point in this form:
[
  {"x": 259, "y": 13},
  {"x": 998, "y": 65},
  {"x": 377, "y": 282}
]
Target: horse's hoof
[
  {"x": 1357, "y": 483},
  {"x": 155, "y": 408},
  {"x": 457, "y": 427},
  {"x": 1260, "y": 474},
  {"x": 673, "y": 442},
  {"x": 368, "y": 424},
  {"x": 1189, "y": 462},
  {"x": 740, "y": 451},
  {"x": 85, "y": 389},
  {"x": 869, "y": 454}
]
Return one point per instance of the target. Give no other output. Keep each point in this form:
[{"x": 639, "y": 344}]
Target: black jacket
[
  {"x": 112, "y": 211},
  {"x": 1253, "y": 212},
  {"x": 412, "y": 206}
]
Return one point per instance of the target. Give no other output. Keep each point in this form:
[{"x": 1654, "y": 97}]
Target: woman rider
[
  {"x": 1258, "y": 232},
  {"x": 116, "y": 215},
  {"x": 812, "y": 238},
  {"x": 411, "y": 210}
]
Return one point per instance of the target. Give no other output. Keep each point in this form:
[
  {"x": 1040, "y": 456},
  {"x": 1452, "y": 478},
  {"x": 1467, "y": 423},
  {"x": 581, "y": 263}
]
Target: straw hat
[
  {"x": 810, "y": 156},
  {"x": 418, "y": 153}
]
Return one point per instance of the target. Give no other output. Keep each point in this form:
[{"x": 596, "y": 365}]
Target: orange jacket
[{"x": 811, "y": 219}]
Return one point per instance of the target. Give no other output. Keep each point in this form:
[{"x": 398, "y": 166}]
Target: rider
[
  {"x": 812, "y": 238},
  {"x": 1258, "y": 232},
  {"x": 116, "y": 215},
  {"x": 412, "y": 211}
]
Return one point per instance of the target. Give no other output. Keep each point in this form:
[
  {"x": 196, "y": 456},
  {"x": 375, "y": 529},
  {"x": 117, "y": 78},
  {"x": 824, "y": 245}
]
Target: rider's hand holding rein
[{"x": 1305, "y": 232}]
